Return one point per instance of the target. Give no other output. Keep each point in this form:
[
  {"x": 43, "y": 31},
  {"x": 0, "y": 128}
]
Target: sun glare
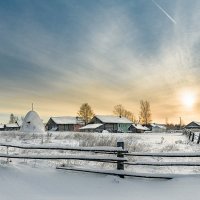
[{"x": 188, "y": 99}]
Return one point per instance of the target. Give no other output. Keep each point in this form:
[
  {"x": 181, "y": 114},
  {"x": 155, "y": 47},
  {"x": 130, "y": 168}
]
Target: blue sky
[{"x": 59, "y": 54}]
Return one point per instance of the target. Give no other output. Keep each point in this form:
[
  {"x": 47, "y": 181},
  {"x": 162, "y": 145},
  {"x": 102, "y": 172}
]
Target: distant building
[
  {"x": 157, "y": 128},
  {"x": 12, "y": 127},
  {"x": 92, "y": 128},
  {"x": 193, "y": 125},
  {"x": 66, "y": 123},
  {"x": 111, "y": 123},
  {"x": 138, "y": 128},
  {"x": 2, "y": 127}
]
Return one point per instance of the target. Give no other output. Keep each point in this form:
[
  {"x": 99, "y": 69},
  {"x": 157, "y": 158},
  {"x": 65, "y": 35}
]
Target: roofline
[
  {"x": 113, "y": 122},
  {"x": 61, "y": 123}
]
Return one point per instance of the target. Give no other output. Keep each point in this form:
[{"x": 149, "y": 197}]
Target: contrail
[{"x": 165, "y": 12}]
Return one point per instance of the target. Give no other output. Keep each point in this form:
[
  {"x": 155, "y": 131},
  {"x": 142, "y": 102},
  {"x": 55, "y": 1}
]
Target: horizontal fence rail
[
  {"x": 54, "y": 147},
  {"x": 164, "y": 164},
  {"x": 67, "y": 157},
  {"x": 163, "y": 154},
  {"x": 120, "y": 173}
]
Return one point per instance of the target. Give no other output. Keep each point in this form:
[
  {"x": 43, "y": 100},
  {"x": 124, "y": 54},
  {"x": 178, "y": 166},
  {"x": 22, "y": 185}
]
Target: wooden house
[
  {"x": 137, "y": 128},
  {"x": 12, "y": 127},
  {"x": 92, "y": 128},
  {"x": 193, "y": 125},
  {"x": 2, "y": 127},
  {"x": 157, "y": 128},
  {"x": 112, "y": 123},
  {"x": 66, "y": 123}
]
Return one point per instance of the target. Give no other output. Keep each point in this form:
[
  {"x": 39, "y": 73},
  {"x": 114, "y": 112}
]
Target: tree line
[{"x": 86, "y": 113}]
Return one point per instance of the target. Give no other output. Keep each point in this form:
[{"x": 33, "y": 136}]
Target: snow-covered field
[
  {"x": 24, "y": 182},
  {"x": 30, "y": 179}
]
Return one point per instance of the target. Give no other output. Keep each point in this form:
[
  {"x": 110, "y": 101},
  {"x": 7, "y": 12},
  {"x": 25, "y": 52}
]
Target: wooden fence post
[
  {"x": 198, "y": 141},
  {"x": 120, "y": 164},
  {"x": 193, "y": 137}
]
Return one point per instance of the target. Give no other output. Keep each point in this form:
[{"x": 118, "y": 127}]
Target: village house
[
  {"x": 193, "y": 125},
  {"x": 157, "y": 128},
  {"x": 109, "y": 123},
  {"x": 2, "y": 127},
  {"x": 66, "y": 123},
  {"x": 92, "y": 128},
  {"x": 137, "y": 128},
  {"x": 12, "y": 127}
]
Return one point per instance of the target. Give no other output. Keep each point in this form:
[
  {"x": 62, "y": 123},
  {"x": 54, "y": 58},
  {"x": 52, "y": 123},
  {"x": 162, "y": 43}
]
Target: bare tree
[
  {"x": 129, "y": 115},
  {"x": 145, "y": 112},
  {"x": 86, "y": 112},
  {"x": 119, "y": 110}
]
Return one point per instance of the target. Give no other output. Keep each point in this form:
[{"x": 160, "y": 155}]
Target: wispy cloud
[
  {"x": 117, "y": 53},
  {"x": 164, "y": 11}
]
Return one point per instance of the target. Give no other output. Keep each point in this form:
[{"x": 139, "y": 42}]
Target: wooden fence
[
  {"x": 119, "y": 156},
  {"x": 192, "y": 136},
  {"x": 116, "y": 157}
]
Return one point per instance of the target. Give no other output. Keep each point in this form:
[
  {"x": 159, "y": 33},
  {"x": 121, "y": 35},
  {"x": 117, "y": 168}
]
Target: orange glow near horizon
[
  {"x": 184, "y": 106},
  {"x": 104, "y": 55}
]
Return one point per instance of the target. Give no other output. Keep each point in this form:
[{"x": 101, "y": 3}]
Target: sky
[{"x": 60, "y": 54}]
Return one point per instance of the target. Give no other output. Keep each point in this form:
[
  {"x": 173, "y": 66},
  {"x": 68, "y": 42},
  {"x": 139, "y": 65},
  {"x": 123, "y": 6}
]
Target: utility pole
[{"x": 180, "y": 123}]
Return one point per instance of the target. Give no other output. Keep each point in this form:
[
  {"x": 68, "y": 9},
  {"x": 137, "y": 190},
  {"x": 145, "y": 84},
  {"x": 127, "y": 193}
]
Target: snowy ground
[
  {"x": 40, "y": 180},
  {"x": 148, "y": 142},
  {"x": 24, "y": 182}
]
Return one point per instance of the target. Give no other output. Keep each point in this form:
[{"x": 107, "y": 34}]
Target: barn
[
  {"x": 12, "y": 127},
  {"x": 193, "y": 125},
  {"x": 137, "y": 128},
  {"x": 92, "y": 128},
  {"x": 112, "y": 123},
  {"x": 67, "y": 123},
  {"x": 2, "y": 127},
  {"x": 157, "y": 128}
]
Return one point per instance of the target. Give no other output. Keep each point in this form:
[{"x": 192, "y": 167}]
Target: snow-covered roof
[
  {"x": 67, "y": 120},
  {"x": 1, "y": 126},
  {"x": 91, "y": 126},
  {"x": 193, "y": 124},
  {"x": 12, "y": 125},
  {"x": 32, "y": 123},
  {"x": 113, "y": 119},
  {"x": 198, "y": 123},
  {"x": 54, "y": 129},
  {"x": 140, "y": 127},
  {"x": 158, "y": 126}
]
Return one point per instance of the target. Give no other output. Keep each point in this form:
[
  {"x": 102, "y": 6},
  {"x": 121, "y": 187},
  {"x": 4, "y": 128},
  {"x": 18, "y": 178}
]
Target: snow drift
[{"x": 32, "y": 123}]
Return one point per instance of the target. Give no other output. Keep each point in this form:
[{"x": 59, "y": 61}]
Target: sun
[{"x": 188, "y": 99}]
